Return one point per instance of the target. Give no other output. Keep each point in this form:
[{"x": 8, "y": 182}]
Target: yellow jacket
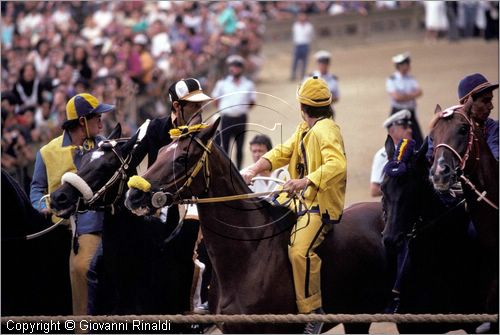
[{"x": 321, "y": 151}]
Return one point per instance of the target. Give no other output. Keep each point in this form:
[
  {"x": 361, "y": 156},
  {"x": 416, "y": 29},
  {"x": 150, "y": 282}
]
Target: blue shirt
[{"x": 87, "y": 222}]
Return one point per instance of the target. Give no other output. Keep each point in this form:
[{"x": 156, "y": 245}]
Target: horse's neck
[
  {"x": 484, "y": 176},
  {"x": 238, "y": 236}
]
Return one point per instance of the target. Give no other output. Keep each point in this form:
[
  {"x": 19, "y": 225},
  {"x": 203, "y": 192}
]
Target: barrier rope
[{"x": 267, "y": 318}]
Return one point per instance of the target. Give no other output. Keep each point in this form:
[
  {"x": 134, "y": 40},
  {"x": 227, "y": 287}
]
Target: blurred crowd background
[{"x": 128, "y": 53}]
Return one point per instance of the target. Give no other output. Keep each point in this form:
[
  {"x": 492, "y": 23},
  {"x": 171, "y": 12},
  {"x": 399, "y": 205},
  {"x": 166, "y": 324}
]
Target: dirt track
[{"x": 364, "y": 104}]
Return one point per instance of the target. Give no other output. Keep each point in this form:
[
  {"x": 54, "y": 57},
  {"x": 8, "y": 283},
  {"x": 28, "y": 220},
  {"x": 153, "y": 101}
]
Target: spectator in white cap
[
  {"x": 403, "y": 91},
  {"x": 235, "y": 96},
  {"x": 398, "y": 127},
  {"x": 323, "y": 58}
]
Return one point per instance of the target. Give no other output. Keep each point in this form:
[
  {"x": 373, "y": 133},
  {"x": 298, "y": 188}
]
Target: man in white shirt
[
  {"x": 398, "y": 127},
  {"x": 234, "y": 97},
  {"x": 303, "y": 34},
  {"x": 404, "y": 90}
]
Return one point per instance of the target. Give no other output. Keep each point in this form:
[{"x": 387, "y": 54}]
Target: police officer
[
  {"x": 323, "y": 58},
  {"x": 403, "y": 91},
  {"x": 398, "y": 127}
]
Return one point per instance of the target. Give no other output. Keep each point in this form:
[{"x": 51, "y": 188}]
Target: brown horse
[
  {"x": 461, "y": 153},
  {"x": 247, "y": 240}
]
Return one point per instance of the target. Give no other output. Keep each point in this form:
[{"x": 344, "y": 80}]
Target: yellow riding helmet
[{"x": 314, "y": 92}]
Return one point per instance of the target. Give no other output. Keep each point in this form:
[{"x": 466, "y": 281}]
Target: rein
[
  {"x": 120, "y": 175},
  {"x": 159, "y": 198},
  {"x": 465, "y": 158}
]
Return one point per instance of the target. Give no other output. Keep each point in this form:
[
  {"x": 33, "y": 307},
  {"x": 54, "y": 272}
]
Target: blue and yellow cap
[{"x": 84, "y": 104}]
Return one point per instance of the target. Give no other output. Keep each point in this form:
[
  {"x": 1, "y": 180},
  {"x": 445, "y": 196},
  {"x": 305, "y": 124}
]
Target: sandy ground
[{"x": 364, "y": 104}]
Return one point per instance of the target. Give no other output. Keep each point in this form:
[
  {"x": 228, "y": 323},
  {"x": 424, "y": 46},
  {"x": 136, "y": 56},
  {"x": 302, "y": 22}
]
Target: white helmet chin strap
[{"x": 77, "y": 182}]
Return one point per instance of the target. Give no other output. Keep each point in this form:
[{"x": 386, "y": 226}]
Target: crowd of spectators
[
  {"x": 124, "y": 53},
  {"x": 127, "y": 54}
]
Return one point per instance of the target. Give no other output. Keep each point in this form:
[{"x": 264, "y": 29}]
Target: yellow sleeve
[
  {"x": 334, "y": 165},
  {"x": 280, "y": 155}
]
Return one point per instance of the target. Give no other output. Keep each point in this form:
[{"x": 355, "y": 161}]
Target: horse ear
[
  {"x": 116, "y": 133},
  {"x": 389, "y": 147},
  {"x": 438, "y": 109}
]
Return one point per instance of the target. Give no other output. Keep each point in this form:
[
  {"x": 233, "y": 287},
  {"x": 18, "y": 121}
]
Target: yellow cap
[
  {"x": 314, "y": 92},
  {"x": 84, "y": 104}
]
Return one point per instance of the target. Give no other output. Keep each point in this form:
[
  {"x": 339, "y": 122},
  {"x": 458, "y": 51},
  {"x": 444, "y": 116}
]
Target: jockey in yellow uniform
[{"x": 317, "y": 165}]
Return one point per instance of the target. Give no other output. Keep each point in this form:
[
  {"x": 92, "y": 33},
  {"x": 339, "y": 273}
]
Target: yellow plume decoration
[
  {"x": 186, "y": 130},
  {"x": 139, "y": 183},
  {"x": 402, "y": 149}
]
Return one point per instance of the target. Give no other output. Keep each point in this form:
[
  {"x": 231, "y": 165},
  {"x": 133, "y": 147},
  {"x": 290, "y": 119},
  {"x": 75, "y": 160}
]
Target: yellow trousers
[
  {"x": 79, "y": 266},
  {"x": 306, "y": 236}
]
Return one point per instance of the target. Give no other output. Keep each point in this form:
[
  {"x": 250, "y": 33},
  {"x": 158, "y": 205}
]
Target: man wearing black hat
[
  {"x": 187, "y": 98},
  {"x": 403, "y": 90},
  {"x": 398, "y": 127}
]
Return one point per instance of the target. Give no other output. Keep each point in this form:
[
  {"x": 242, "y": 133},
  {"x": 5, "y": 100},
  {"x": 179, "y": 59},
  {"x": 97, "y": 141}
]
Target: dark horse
[
  {"x": 143, "y": 274},
  {"x": 247, "y": 240},
  {"x": 462, "y": 154},
  {"x": 430, "y": 240},
  {"x": 35, "y": 273}
]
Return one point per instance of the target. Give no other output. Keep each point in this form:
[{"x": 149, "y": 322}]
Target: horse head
[
  {"x": 171, "y": 177},
  {"x": 403, "y": 188},
  {"x": 98, "y": 179},
  {"x": 452, "y": 133}
]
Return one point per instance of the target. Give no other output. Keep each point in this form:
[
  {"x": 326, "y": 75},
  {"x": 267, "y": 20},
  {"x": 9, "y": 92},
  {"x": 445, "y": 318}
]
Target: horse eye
[
  {"x": 463, "y": 130},
  {"x": 181, "y": 159}
]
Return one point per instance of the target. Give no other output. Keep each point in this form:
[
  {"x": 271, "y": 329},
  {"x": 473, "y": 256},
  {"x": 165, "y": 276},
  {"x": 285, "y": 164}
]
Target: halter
[{"x": 463, "y": 159}]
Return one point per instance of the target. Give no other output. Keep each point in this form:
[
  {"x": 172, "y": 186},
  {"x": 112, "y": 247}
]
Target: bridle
[
  {"x": 121, "y": 175},
  {"x": 162, "y": 197},
  {"x": 472, "y": 142}
]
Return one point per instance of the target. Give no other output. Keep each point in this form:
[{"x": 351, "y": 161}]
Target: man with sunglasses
[{"x": 398, "y": 127}]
